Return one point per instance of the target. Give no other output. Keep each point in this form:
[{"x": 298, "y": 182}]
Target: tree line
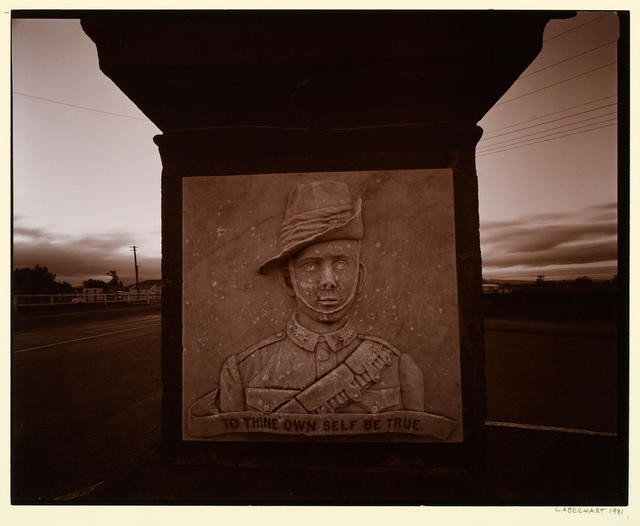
[{"x": 38, "y": 280}]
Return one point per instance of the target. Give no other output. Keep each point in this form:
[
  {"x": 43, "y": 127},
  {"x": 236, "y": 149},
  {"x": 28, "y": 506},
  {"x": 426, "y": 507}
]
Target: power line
[
  {"x": 575, "y": 27},
  {"x": 556, "y": 83},
  {"x": 81, "y": 107},
  {"x": 567, "y": 59},
  {"x": 547, "y": 122},
  {"x": 484, "y": 154},
  {"x": 490, "y": 148},
  {"x": 543, "y": 140},
  {"x": 551, "y": 113},
  {"x": 549, "y": 129}
]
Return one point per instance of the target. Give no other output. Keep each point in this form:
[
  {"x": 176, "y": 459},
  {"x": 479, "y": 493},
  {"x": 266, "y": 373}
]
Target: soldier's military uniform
[{"x": 299, "y": 371}]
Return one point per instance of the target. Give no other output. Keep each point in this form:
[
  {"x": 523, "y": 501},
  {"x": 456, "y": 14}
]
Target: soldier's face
[{"x": 325, "y": 277}]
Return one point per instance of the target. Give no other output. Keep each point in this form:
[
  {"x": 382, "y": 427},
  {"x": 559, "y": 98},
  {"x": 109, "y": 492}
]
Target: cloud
[
  {"x": 536, "y": 241},
  {"x": 535, "y": 237},
  {"x": 563, "y": 255},
  {"x": 490, "y": 226},
  {"x": 613, "y": 206},
  {"x": 587, "y": 213},
  {"x": 607, "y": 216},
  {"x": 76, "y": 259},
  {"x": 30, "y": 232},
  {"x": 533, "y": 241}
]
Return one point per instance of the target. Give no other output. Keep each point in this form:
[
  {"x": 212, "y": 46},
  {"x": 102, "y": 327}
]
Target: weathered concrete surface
[{"x": 231, "y": 225}]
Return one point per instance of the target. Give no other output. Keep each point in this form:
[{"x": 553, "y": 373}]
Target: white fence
[{"x": 42, "y": 300}]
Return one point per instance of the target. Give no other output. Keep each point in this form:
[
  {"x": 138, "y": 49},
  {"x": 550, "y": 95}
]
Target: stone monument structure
[{"x": 253, "y": 104}]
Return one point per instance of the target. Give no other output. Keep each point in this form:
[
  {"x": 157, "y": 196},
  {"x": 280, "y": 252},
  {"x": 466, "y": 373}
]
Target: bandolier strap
[{"x": 345, "y": 383}]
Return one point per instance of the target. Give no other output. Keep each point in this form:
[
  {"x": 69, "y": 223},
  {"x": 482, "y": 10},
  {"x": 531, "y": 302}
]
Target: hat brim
[{"x": 352, "y": 228}]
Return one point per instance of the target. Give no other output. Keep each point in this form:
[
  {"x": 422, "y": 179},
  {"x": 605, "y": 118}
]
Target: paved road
[
  {"x": 552, "y": 374},
  {"x": 85, "y": 401},
  {"x": 86, "y": 392}
]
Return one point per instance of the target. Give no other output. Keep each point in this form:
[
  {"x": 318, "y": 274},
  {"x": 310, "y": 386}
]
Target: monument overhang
[{"x": 315, "y": 69}]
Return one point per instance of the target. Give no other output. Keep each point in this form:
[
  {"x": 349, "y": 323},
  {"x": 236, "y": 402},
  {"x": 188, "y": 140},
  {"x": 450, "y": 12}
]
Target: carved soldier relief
[{"x": 320, "y": 305}]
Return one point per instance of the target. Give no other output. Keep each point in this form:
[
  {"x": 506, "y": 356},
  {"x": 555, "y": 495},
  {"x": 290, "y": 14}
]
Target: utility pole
[{"x": 135, "y": 262}]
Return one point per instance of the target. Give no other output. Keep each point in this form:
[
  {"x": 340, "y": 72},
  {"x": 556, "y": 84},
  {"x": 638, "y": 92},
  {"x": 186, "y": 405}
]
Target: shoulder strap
[
  {"x": 240, "y": 357},
  {"x": 382, "y": 341}
]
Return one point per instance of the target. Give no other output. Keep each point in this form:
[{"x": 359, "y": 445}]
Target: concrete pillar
[{"x": 256, "y": 93}]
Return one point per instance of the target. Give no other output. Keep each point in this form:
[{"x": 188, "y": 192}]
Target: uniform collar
[{"x": 307, "y": 340}]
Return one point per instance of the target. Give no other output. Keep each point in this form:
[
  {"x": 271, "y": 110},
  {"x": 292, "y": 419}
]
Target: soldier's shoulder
[
  {"x": 266, "y": 342},
  {"x": 385, "y": 343}
]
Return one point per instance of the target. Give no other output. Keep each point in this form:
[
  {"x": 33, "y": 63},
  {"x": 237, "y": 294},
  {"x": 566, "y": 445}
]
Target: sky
[
  {"x": 548, "y": 193},
  {"x": 86, "y": 183},
  {"x": 86, "y": 172}
]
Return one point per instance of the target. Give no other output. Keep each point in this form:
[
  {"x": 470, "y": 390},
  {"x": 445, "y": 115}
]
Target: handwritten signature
[{"x": 587, "y": 510}]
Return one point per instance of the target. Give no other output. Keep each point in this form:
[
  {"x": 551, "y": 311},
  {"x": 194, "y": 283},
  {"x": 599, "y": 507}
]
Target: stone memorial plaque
[{"x": 320, "y": 306}]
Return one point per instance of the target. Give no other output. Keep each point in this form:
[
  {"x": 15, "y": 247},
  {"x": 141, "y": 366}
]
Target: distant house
[
  {"x": 490, "y": 288},
  {"x": 148, "y": 286},
  {"x": 496, "y": 288}
]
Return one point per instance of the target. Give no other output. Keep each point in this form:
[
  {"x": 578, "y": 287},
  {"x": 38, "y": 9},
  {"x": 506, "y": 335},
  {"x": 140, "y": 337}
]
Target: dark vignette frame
[
  {"x": 623, "y": 257},
  {"x": 470, "y": 455}
]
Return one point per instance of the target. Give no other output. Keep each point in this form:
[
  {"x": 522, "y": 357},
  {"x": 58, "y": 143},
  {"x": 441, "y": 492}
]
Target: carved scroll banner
[
  {"x": 409, "y": 422},
  {"x": 321, "y": 305}
]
